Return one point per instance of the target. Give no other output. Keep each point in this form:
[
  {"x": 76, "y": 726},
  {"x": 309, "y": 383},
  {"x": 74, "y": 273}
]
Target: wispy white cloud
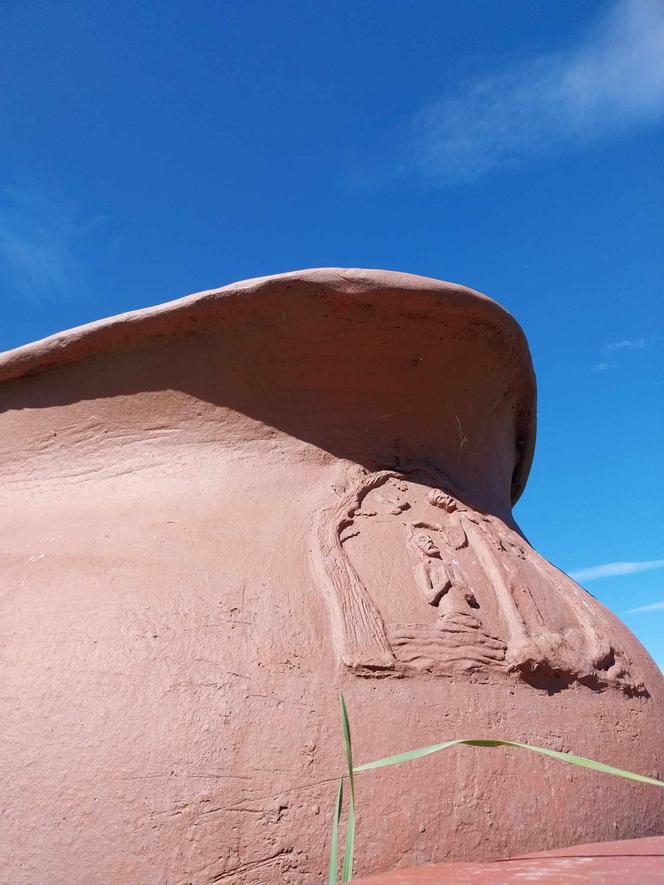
[
  {"x": 626, "y": 344},
  {"x": 40, "y": 240},
  {"x": 610, "y": 82},
  {"x": 615, "y": 569},
  {"x": 614, "y": 348},
  {"x": 653, "y": 607}
]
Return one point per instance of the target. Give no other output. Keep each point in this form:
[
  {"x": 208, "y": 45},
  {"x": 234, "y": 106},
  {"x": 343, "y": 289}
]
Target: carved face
[
  {"x": 426, "y": 544},
  {"x": 439, "y": 499}
]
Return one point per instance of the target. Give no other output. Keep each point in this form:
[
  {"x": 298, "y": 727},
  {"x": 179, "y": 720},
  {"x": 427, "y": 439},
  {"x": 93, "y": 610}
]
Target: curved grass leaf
[{"x": 569, "y": 758}]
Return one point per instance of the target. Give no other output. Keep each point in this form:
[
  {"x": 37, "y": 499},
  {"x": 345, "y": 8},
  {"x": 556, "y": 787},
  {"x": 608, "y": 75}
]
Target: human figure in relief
[
  {"x": 457, "y": 640},
  {"x": 441, "y": 580}
]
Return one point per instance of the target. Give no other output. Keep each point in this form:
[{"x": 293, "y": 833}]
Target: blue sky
[{"x": 149, "y": 150}]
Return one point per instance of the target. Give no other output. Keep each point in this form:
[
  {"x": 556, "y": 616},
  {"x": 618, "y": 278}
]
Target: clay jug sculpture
[{"x": 218, "y": 512}]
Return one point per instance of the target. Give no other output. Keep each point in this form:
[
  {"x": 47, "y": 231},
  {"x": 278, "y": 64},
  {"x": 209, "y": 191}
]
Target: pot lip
[{"x": 125, "y": 329}]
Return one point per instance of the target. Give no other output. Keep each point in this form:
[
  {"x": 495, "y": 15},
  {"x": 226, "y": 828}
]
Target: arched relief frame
[
  {"x": 358, "y": 627},
  {"x": 539, "y": 655}
]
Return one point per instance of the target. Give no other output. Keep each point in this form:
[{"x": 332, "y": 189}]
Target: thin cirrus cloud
[
  {"x": 627, "y": 344},
  {"x": 613, "y": 348},
  {"x": 616, "y": 569},
  {"x": 40, "y": 241},
  {"x": 609, "y": 83},
  {"x": 652, "y": 607}
]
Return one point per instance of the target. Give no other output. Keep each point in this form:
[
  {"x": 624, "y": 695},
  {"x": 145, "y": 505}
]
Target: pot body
[{"x": 208, "y": 532}]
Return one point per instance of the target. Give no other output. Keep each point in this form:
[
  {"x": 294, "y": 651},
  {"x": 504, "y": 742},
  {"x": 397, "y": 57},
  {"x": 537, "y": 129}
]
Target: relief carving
[{"x": 418, "y": 581}]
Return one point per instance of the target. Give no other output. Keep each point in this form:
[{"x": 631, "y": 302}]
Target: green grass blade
[
  {"x": 406, "y": 757},
  {"x": 347, "y": 868},
  {"x": 348, "y": 746},
  {"x": 584, "y": 762},
  {"x": 568, "y": 758},
  {"x": 334, "y": 842}
]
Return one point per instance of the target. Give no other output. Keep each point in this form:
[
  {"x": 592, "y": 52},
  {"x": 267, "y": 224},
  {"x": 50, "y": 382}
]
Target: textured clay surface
[
  {"x": 215, "y": 514},
  {"x": 611, "y": 863}
]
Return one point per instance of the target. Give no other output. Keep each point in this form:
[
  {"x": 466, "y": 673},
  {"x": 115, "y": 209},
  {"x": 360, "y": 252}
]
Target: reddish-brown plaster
[{"x": 218, "y": 512}]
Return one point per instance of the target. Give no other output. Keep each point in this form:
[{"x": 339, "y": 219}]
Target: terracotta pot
[{"x": 218, "y": 512}]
